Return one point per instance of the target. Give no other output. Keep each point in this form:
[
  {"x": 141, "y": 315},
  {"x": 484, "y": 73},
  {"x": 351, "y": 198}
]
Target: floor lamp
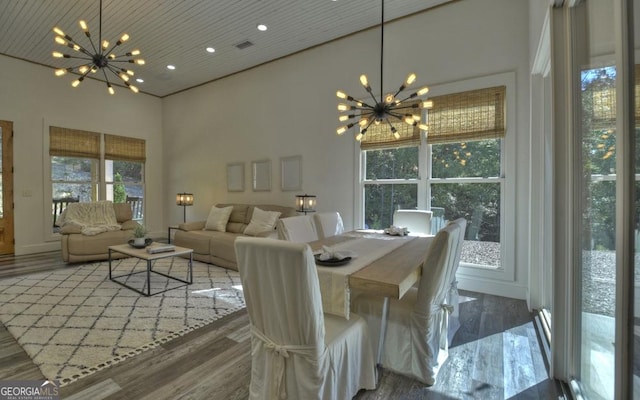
[{"x": 184, "y": 200}]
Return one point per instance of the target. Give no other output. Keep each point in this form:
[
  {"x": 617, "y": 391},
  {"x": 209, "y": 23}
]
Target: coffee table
[{"x": 149, "y": 258}]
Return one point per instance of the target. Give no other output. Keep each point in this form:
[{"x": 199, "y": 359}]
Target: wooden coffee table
[{"x": 149, "y": 258}]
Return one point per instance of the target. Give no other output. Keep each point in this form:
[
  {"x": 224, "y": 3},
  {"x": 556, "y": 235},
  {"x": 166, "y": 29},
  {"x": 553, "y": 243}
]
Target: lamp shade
[
  {"x": 184, "y": 199},
  {"x": 305, "y": 203}
]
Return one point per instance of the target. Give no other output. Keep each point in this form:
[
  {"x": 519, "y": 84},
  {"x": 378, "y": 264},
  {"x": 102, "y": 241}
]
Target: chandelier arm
[
  {"x": 80, "y": 48},
  {"x": 364, "y": 131},
  {"x": 80, "y": 58},
  {"x": 131, "y": 60},
  {"x": 395, "y": 115},
  {"x": 365, "y": 106},
  {"x": 113, "y": 71},
  {"x": 408, "y": 106}
]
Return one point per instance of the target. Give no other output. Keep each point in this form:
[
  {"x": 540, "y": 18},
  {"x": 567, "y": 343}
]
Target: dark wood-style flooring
[{"x": 496, "y": 354}]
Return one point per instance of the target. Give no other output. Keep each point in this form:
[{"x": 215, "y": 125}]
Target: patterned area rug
[{"x": 74, "y": 322}]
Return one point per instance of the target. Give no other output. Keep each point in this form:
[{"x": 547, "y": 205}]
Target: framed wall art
[
  {"x": 261, "y": 172},
  {"x": 235, "y": 177},
  {"x": 291, "y": 173}
]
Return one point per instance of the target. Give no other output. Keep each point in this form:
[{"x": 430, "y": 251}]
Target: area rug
[{"x": 74, "y": 321}]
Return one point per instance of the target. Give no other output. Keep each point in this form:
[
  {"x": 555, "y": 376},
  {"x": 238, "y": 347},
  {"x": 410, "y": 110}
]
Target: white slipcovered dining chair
[
  {"x": 453, "y": 297},
  {"x": 416, "y": 338},
  {"x": 297, "y": 351},
  {"x": 300, "y": 229},
  {"x": 417, "y": 222},
  {"x": 328, "y": 224}
]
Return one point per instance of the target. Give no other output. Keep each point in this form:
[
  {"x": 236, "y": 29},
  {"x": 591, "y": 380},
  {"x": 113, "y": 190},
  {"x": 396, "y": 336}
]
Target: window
[
  {"x": 457, "y": 171},
  {"x": 77, "y": 157}
]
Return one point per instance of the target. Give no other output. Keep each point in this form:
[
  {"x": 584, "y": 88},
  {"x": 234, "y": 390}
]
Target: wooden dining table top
[{"x": 391, "y": 275}]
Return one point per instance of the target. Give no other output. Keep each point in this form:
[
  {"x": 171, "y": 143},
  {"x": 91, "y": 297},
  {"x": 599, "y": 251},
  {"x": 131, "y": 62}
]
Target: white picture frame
[
  {"x": 261, "y": 172},
  {"x": 235, "y": 177},
  {"x": 291, "y": 173}
]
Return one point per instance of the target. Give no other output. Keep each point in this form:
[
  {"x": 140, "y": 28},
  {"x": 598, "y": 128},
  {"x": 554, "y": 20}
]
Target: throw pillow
[
  {"x": 261, "y": 221},
  {"x": 218, "y": 218}
]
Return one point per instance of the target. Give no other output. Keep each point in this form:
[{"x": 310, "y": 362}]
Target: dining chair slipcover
[
  {"x": 416, "y": 339},
  {"x": 417, "y": 221},
  {"x": 298, "y": 229},
  {"x": 328, "y": 224},
  {"x": 297, "y": 351},
  {"x": 453, "y": 297}
]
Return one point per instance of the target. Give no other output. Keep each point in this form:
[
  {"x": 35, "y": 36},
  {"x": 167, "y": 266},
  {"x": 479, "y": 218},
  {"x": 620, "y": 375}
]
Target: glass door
[{"x": 602, "y": 180}]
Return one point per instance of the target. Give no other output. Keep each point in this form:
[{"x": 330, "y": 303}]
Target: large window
[
  {"x": 77, "y": 159},
  {"x": 457, "y": 171}
]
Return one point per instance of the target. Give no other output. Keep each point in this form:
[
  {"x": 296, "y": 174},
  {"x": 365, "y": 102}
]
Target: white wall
[
  {"x": 288, "y": 107},
  {"x": 33, "y": 98}
]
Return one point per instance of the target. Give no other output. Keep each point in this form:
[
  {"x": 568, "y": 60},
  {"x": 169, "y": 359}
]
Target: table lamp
[{"x": 305, "y": 203}]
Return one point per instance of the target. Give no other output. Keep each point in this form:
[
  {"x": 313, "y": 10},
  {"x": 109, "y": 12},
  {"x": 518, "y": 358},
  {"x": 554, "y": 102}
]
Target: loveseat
[
  {"x": 110, "y": 224},
  {"x": 214, "y": 245}
]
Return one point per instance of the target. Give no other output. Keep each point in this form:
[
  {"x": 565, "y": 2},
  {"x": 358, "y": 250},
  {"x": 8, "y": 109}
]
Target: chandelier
[
  {"x": 388, "y": 108},
  {"x": 101, "y": 58}
]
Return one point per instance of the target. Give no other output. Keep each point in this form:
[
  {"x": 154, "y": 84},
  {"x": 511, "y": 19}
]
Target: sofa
[
  {"x": 215, "y": 246},
  {"x": 93, "y": 244}
]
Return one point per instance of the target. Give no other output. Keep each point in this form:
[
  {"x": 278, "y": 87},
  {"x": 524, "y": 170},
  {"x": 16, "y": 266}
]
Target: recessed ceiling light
[
  {"x": 211, "y": 50},
  {"x": 262, "y": 27},
  {"x": 171, "y": 67},
  {"x": 139, "y": 80}
]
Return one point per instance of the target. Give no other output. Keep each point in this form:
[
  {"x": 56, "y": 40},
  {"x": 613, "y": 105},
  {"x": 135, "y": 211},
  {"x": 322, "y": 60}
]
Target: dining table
[{"x": 381, "y": 264}]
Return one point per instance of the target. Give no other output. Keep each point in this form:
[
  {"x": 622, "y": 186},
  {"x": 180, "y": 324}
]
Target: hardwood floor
[{"x": 496, "y": 354}]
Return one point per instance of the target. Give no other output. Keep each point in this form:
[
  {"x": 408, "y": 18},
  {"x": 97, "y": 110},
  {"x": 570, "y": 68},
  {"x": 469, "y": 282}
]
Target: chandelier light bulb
[
  {"x": 105, "y": 44},
  {"x": 389, "y": 98},
  {"x": 423, "y": 91},
  {"x": 343, "y": 118},
  {"x": 139, "y": 61},
  {"x": 60, "y": 72},
  {"x": 83, "y": 26},
  {"x": 359, "y": 136},
  {"x": 57, "y": 54},
  {"x": 134, "y": 53},
  {"x": 77, "y": 82},
  {"x": 427, "y": 104},
  {"x": 124, "y": 37},
  {"x": 341, "y": 94},
  {"x": 124, "y": 76},
  {"x": 423, "y": 127},
  {"x": 409, "y": 119},
  {"x": 363, "y": 121},
  {"x": 364, "y": 81},
  {"x": 60, "y": 40},
  {"x": 341, "y": 130},
  {"x": 342, "y": 107},
  {"x": 58, "y": 31},
  {"x": 110, "y": 89},
  {"x": 410, "y": 79}
]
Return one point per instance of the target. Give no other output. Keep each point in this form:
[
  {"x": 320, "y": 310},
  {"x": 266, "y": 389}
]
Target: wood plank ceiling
[{"x": 178, "y": 31}]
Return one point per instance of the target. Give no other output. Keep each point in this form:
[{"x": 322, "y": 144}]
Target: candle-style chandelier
[
  {"x": 100, "y": 58},
  {"x": 387, "y": 108}
]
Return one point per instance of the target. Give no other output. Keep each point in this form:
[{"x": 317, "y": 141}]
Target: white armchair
[
  {"x": 300, "y": 229},
  {"x": 417, "y": 325},
  {"x": 297, "y": 351},
  {"x": 418, "y": 222},
  {"x": 328, "y": 224},
  {"x": 452, "y": 294}
]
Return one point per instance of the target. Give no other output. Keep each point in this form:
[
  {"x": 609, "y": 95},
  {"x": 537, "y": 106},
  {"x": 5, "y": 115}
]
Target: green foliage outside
[
  {"x": 599, "y": 159},
  {"x": 119, "y": 193},
  {"x": 479, "y": 203}
]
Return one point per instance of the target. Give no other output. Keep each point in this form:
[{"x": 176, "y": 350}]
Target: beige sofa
[
  {"x": 215, "y": 247},
  {"x": 77, "y": 247}
]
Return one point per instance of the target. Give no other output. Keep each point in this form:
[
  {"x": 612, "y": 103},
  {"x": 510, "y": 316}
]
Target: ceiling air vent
[{"x": 244, "y": 45}]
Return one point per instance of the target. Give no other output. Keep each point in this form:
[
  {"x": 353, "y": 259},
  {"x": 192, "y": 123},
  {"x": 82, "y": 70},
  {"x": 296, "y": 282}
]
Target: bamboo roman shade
[
  {"x": 603, "y": 105},
  {"x": 124, "y": 148},
  {"x": 380, "y": 136},
  {"x": 66, "y": 142},
  {"x": 472, "y": 115}
]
